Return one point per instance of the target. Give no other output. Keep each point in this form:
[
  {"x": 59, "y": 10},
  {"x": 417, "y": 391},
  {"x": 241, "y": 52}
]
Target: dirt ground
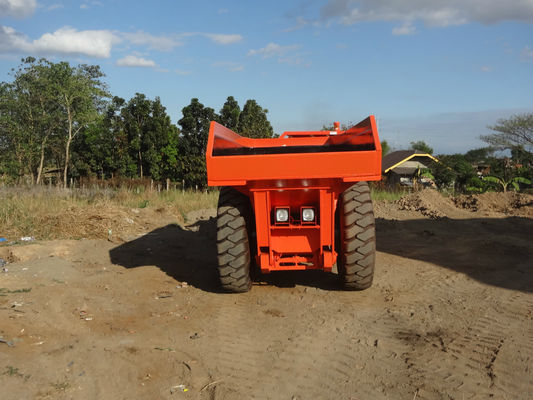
[{"x": 139, "y": 316}]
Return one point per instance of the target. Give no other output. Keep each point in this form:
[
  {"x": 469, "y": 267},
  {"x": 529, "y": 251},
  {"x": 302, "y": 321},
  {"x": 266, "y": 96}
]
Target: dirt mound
[
  {"x": 511, "y": 203},
  {"x": 428, "y": 202}
]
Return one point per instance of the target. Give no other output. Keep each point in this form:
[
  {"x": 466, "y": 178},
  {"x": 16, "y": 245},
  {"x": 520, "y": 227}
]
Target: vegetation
[
  {"x": 49, "y": 213},
  {"x": 516, "y": 131},
  {"x": 60, "y": 121},
  {"x": 421, "y": 146}
]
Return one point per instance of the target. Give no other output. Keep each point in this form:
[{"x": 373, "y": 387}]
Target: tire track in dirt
[
  {"x": 517, "y": 350},
  {"x": 484, "y": 355},
  {"x": 485, "y": 351},
  {"x": 238, "y": 358},
  {"x": 280, "y": 364}
]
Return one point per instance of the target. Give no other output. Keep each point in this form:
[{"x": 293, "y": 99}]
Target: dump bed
[{"x": 351, "y": 155}]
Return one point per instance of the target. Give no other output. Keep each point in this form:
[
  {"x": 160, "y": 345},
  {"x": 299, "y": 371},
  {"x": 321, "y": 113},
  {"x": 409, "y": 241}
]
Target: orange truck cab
[{"x": 283, "y": 200}]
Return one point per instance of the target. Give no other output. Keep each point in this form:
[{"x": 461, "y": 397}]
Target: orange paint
[{"x": 298, "y": 170}]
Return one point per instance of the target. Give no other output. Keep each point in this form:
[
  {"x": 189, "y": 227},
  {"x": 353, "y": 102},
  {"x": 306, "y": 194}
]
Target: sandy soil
[{"x": 450, "y": 315}]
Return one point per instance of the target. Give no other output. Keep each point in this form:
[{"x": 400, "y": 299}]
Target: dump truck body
[{"x": 293, "y": 184}]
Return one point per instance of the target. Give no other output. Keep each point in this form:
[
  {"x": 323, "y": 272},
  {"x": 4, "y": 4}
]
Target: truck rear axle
[{"x": 283, "y": 200}]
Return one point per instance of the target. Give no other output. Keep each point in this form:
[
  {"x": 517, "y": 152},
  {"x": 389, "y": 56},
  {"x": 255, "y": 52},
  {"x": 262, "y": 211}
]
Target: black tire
[
  {"x": 233, "y": 247},
  {"x": 357, "y": 249}
]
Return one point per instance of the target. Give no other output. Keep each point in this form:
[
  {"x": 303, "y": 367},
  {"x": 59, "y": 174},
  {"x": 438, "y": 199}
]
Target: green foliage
[
  {"x": 421, "y": 146},
  {"x": 480, "y": 156},
  {"x": 385, "y": 148},
  {"x": 29, "y": 116},
  {"x": 229, "y": 114},
  {"x": 504, "y": 184},
  {"x": 514, "y": 131},
  {"x": 452, "y": 170},
  {"x": 253, "y": 121},
  {"x": 193, "y": 142}
]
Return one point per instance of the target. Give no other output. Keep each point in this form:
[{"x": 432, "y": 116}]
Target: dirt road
[{"x": 450, "y": 315}]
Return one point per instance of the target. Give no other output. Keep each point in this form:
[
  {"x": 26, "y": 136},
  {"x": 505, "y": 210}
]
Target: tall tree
[
  {"x": 514, "y": 131},
  {"x": 421, "y": 146},
  {"x": 160, "y": 143},
  {"x": 79, "y": 92},
  {"x": 136, "y": 115},
  {"x": 193, "y": 142},
  {"x": 30, "y": 108},
  {"x": 385, "y": 148},
  {"x": 253, "y": 121},
  {"x": 481, "y": 155},
  {"x": 229, "y": 114}
]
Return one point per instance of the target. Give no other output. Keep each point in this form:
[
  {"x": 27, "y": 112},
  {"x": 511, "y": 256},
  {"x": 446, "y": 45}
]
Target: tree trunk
[
  {"x": 41, "y": 163},
  {"x": 140, "y": 164},
  {"x": 67, "y": 160},
  {"x": 67, "y": 147}
]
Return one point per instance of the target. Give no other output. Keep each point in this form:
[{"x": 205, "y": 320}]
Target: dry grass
[
  {"x": 379, "y": 194},
  {"x": 49, "y": 213}
]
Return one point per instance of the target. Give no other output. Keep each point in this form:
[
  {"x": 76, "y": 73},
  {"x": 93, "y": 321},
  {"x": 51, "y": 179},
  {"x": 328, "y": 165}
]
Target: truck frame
[{"x": 297, "y": 202}]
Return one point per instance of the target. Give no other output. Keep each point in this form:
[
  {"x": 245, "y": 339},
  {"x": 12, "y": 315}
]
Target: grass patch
[
  {"x": 12, "y": 371},
  {"x": 4, "y": 291},
  {"x": 61, "y": 386},
  {"x": 386, "y": 195},
  {"x": 51, "y": 213}
]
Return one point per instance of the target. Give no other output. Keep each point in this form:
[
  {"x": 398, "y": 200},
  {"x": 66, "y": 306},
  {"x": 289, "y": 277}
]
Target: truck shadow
[
  {"x": 186, "y": 254},
  {"x": 494, "y": 251}
]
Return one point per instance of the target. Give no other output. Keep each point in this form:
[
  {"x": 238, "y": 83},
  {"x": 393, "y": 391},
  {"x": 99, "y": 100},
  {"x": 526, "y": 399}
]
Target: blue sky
[{"x": 433, "y": 70}]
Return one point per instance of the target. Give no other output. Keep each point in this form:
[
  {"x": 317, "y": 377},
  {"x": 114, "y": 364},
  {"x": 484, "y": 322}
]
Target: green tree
[
  {"x": 421, "y": 146},
  {"x": 121, "y": 161},
  {"x": 193, "y": 142},
  {"x": 385, "y": 148},
  {"x": 253, "y": 121},
  {"x": 160, "y": 143},
  {"x": 136, "y": 114},
  {"x": 29, "y": 108},
  {"x": 229, "y": 114},
  {"x": 79, "y": 92},
  {"x": 481, "y": 155},
  {"x": 152, "y": 138},
  {"x": 504, "y": 184},
  {"x": 452, "y": 170},
  {"x": 514, "y": 131}
]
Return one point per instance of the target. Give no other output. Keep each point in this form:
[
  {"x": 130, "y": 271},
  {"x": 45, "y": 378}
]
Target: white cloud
[
  {"x": 87, "y": 5},
  {"x": 432, "y": 13},
  {"x": 486, "y": 68},
  {"x": 527, "y": 52},
  {"x": 406, "y": 29},
  {"x": 182, "y": 72},
  {"x": 284, "y": 54},
  {"x": 55, "y": 6},
  {"x": 221, "y": 38},
  {"x": 134, "y": 61},
  {"x": 17, "y": 8},
  {"x": 229, "y": 65},
  {"x": 300, "y": 23},
  {"x": 92, "y": 43},
  {"x": 273, "y": 50},
  {"x": 223, "y": 11},
  {"x": 96, "y": 43},
  {"x": 161, "y": 43}
]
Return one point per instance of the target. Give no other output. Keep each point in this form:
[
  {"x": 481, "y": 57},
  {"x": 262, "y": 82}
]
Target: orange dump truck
[{"x": 297, "y": 202}]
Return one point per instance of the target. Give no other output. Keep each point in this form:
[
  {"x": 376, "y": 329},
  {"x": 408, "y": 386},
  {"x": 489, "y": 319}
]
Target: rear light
[
  {"x": 308, "y": 214},
  {"x": 282, "y": 215}
]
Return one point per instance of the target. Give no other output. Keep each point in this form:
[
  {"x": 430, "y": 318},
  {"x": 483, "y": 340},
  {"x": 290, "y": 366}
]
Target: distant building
[{"x": 401, "y": 167}]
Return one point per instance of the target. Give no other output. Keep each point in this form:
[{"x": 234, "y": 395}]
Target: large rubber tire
[
  {"x": 357, "y": 249},
  {"x": 233, "y": 215}
]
